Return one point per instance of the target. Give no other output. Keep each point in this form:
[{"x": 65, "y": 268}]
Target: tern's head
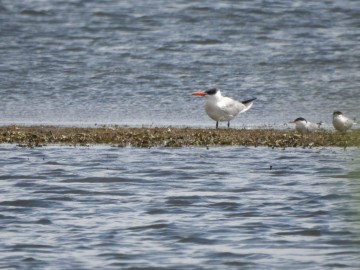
[
  {"x": 299, "y": 120},
  {"x": 212, "y": 91},
  {"x": 337, "y": 113},
  {"x": 209, "y": 93}
]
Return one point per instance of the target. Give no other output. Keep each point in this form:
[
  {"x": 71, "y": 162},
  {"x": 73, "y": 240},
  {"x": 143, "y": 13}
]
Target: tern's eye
[{"x": 211, "y": 91}]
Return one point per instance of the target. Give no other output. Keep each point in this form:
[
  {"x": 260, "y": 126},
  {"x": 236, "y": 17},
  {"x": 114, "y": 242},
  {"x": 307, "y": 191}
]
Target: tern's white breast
[
  {"x": 306, "y": 127},
  {"x": 342, "y": 123},
  {"x": 301, "y": 127}
]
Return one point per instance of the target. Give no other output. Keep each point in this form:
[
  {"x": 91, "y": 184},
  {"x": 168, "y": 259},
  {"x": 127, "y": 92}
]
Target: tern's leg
[
  {"x": 217, "y": 124},
  {"x": 228, "y": 124}
]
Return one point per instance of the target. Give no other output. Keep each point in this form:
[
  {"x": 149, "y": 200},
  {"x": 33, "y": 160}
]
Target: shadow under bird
[
  {"x": 341, "y": 122},
  {"x": 303, "y": 126},
  {"x": 221, "y": 108}
]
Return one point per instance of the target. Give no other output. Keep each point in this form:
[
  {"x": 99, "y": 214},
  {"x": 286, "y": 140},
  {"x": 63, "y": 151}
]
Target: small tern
[
  {"x": 221, "y": 108},
  {"x": 303, "y": 126},
  {"x": 341, "y": 122}
]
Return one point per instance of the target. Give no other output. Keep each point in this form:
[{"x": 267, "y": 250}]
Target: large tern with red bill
[{"x": 220, "y": 108}]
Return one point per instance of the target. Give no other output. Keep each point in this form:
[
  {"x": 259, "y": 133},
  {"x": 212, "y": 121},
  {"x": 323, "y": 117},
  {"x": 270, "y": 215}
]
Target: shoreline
[{"x": 37, "y": 136}]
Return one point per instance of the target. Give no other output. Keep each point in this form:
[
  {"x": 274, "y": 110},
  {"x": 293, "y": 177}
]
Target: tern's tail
[{"x": 248, "y": 103}]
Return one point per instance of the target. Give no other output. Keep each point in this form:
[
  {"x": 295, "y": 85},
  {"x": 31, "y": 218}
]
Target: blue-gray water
[
  {"x": 189, "y": 208},
  {"x": 136, "y": 63}
]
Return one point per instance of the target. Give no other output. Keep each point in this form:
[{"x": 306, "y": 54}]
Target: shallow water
[
  {"x": 187, "y": 208},
  {"x": 137, "y": 63}
]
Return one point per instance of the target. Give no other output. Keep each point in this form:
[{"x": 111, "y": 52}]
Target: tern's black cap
[
  {"x": 211, "y": 91},
  {"x": 300, "y": 119}
]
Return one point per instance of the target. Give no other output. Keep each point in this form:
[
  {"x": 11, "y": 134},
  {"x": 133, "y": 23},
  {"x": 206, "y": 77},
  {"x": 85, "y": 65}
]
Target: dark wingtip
[{"x": 248, "y": 101}]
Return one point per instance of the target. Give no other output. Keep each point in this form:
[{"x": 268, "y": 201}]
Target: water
[
  {"x": 189, "y": 208},
  {"x": 82, "y": 63},
  {"x": 119, "y": 62}
]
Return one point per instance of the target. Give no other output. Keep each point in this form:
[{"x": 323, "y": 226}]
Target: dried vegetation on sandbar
[{"x": 172, "y": 137}]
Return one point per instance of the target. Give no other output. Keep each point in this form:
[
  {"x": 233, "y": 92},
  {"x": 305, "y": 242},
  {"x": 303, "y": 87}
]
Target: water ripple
[{"x": 137, "y": 207}]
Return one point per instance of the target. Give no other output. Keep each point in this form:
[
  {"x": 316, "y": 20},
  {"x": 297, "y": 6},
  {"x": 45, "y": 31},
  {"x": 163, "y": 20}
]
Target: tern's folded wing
[{"x": 231, "y": 107}]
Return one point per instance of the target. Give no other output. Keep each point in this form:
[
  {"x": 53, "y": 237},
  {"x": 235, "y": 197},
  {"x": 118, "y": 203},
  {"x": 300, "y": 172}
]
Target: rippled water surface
[
  {"x": 137, "y": 62},
  {"x": 187, "y": 208}
]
